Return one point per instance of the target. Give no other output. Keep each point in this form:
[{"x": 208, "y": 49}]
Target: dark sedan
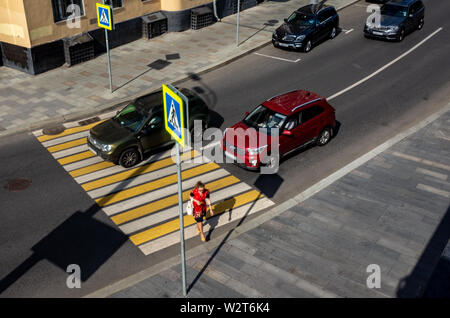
[
  {"x": 397, "y": 19},
  {"x": 139, "y": 128},
  {"x": 306, "y": 27}
]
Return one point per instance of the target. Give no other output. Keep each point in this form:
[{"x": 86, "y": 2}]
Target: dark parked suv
[
  {"x": 398, "y": 18},
  {"x": 306, "y": 27},
  {"x": 139, "y": 128}
]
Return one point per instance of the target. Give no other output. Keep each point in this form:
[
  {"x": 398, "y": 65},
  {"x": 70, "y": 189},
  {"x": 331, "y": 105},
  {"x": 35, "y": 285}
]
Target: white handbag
[{"x": 189, "y": 208}]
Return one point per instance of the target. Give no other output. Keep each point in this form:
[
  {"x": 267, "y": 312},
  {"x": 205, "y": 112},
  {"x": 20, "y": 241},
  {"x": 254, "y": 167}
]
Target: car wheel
[
  {"x": 420, "y": 25},
  {"x": 308, "y": 46},
  {"x": 401, "y": 35},
  {"x": 324, "y": 137},
  {"x": 333, "y": 33},
  {"x": 129, "y": 158}
]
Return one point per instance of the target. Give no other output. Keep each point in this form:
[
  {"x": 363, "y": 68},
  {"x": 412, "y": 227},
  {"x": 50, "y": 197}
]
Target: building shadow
[
  {"x": 425, "y": 279},
  {"x": 80, "y": 240}
]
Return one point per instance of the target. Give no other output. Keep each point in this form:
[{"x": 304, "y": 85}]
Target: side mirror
[
  {"x": 285, "y": 20},
  {"x": 287, "y": 132},
  {"x": 246, "y": 114}
]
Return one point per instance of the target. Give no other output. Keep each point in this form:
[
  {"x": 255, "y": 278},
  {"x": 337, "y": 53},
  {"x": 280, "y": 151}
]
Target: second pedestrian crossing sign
[
  {"x": 104, "y": 16},
  {"x": 173, "y": 114}
]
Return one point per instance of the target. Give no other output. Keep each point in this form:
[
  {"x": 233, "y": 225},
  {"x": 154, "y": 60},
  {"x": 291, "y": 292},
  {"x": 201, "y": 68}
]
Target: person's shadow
[{"x": 225, "y": 205}]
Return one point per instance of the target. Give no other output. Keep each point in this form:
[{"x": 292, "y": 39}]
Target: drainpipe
[{"x": 215, "y": 10}]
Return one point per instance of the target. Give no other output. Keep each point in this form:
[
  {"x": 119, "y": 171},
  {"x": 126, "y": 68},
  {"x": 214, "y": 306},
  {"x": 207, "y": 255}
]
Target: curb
[{"x": 57, "y": 120}]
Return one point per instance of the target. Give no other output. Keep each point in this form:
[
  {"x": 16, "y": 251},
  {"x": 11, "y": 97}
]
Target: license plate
[
  {"x": 284, "y": 44},
  {"x": 229, "y": 155},
  {"x": 377, "y": 33}
]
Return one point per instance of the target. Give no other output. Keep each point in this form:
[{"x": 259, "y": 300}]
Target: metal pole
[
  {"x": 180, "y": 206},
  {"x": 109, "y": 57},
  {"x": 215, "y": 10},
  {"x": 237, "y": 27}
]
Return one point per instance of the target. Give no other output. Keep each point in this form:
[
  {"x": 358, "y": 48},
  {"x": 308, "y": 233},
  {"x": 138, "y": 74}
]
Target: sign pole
[
  {"x": 174, "y": 101},
  {"x": 237, "y": 21},
  {"x": 108, "y": 57},
  {"x": 180, "y": 206}
]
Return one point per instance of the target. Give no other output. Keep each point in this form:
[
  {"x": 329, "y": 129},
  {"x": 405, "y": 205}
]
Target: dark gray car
[{"x": 398, "y": 18}]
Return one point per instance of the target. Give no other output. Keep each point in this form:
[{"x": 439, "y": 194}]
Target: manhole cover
[
  {"x": 55, "y": 130},
  {"x": 16, "y": 185}
]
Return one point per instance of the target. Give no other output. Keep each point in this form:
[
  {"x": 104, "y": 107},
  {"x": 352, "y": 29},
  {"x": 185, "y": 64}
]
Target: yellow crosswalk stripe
[
  {"x": 168, "y": 201},
  {"x": 77, "y": 157},
  {"x": 91, "y": 168},
  {"x": 68, "y": 131},
  {"x": 67, "y": 145},
  {"x": 174, "y": 225},
  {"x": 88, "y": 186},
  {"x": 149, "y": 186}
]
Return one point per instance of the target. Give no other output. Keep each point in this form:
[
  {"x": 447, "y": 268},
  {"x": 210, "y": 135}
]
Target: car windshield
[
  {"x": 393, "y": 10},
  {"x": 130, "y": 118},
  {"x": 263, "y": 117},
  {"x": 301, "y": 19}
]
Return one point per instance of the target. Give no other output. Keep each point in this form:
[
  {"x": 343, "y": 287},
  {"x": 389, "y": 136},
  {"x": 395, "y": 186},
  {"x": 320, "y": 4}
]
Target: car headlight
[
  {"x": 300, "y": 38},
  {"x": 393, "y": 28},
  {"x": 106, "y": 148},
  {"x": 255, "y": 151}
]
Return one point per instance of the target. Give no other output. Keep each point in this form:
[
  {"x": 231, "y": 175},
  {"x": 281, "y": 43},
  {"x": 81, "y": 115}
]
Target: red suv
[{"x": 298, "y": 118}]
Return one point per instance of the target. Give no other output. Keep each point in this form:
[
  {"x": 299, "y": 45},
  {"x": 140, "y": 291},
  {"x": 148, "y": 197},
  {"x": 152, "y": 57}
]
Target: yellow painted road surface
[{"x": 143, "y": 201}]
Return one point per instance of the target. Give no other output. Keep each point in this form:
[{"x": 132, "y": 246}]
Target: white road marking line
[
  {"x": 433, "y": 174},
  {"x": 147, "y": 197},
  {"x": 67, "y": 138},
  {"x": 69, "y": 151},
  {"x": 348, "y": 31},
  {"x": 173, "y": 212},
  {"x": 278, "y": 58},
  {"x": 117, "y": 168},
  {"x": 190, "y": 231},
  {"x": 140, "y": 179},
  {"x": 433, "y": 190},
  {"x": 385, "y": 66},
  {"x": 82, "y": 163}
]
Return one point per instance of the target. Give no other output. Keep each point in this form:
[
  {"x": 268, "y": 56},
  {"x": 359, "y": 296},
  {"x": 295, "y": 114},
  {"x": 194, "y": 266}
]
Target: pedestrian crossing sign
[
  {"x": 173, "y": 114},
  {"x": 104, "y": 16}
]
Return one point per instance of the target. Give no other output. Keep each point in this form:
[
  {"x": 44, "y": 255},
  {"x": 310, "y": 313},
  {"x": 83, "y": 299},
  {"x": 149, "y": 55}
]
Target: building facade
[{"x": 39, "y": 35}]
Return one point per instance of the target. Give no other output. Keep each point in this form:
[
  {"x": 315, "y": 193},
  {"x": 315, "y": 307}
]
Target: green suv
[{"x": 139, "y": 128}]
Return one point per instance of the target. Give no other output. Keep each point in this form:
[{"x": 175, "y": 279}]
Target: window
[
  {"x": 114, "y": 3},
  {"x": 60, "y": 9},
  {"x": 292, "y": 122},
  {"x": 415, "y": 7},
  {"x": 310, "y": 113}
]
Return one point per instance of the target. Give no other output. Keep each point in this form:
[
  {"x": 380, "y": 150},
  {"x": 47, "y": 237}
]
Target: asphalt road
[{"x": 53, "y": 220}]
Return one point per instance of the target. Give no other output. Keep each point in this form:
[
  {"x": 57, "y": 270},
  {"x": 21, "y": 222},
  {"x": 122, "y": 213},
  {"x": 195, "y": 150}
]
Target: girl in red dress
[{"x": 200, "y": 198}]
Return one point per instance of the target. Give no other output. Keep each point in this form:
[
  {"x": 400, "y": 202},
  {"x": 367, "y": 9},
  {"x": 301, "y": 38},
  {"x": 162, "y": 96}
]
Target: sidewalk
[
  {"x": 68, "y": 93},
  {"x": 392, "y": 211}
]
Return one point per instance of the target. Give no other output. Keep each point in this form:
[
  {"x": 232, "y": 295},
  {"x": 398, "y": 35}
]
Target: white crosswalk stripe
[{"x": 142, "y": 201}]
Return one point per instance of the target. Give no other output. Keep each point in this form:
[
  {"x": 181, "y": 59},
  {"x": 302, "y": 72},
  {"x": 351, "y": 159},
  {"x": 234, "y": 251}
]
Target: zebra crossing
[{"x": 142, "y": 201}]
